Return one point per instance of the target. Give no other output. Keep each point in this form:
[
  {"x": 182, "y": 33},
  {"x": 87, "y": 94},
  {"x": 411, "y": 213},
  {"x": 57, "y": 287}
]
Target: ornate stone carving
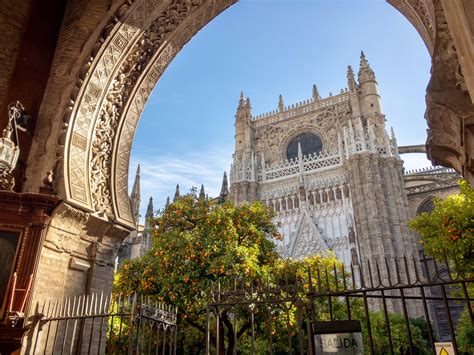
[
  {"x": 326, "y": 118},
  {"x": 111, "y": 91},
  {"x": 449, "y": 112}
]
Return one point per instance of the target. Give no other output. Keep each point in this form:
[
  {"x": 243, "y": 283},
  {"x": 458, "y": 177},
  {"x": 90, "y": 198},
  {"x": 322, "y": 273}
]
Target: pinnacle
[
  {"x": 176, "y": 194},
  {"x": 280, "y": 103},
  {"x": 365, "y": 71},
  {"x": 315, "y": 92}
]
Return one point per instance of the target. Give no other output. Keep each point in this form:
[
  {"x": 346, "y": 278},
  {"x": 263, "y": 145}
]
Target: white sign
[
  {"x": 339, "y": 343},
  {"x": 446, "y": 348}
]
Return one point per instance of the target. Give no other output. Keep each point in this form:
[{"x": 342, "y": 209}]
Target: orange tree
[
  {"x": 448, "y": 232},
  {"x": 196, "y": 242}
]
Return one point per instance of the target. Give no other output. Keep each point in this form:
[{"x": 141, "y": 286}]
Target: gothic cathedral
[{"x": 329, "y": 170}]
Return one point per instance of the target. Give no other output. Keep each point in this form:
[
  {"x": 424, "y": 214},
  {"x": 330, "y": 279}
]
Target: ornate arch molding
[{"x": 113, "y": 88}]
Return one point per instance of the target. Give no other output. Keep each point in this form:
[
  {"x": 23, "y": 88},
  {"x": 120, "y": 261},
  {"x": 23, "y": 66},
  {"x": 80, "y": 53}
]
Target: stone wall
[{"x": 78, "y": 255}]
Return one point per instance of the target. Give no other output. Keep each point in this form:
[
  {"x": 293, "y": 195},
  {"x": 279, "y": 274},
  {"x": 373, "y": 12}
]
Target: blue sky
[{"x": 267, "y": 48}]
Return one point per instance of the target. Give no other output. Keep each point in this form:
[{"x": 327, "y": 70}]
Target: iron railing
[
  {"x": 417, "y": 298},
  {"x": 99, "y": 323}
]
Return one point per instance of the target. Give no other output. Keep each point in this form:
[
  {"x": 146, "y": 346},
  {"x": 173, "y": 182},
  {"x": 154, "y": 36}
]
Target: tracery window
[
  {"x": 310, "y": 144},
  {"x": 426, "y": 206}
]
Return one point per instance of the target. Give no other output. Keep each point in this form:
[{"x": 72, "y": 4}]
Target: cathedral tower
[
  {"x": 243, "y": 169},
  {"x": 375, "y": 175}
]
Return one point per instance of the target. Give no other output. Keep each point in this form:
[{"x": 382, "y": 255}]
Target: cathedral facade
[{"x": 329, "y": 170}]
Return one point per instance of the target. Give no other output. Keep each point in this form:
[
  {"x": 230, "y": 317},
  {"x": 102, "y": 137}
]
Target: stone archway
[
  {"x": 113, "y": 89},
  {"x": 106, "y": 58}
]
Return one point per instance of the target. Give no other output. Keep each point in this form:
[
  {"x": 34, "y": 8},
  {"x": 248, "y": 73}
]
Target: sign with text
[
  {"x": 445, "y": 348},
  {"x": 337, "y": 337}
]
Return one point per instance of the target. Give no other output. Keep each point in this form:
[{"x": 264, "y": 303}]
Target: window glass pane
[{"x": 310, "y": 144}]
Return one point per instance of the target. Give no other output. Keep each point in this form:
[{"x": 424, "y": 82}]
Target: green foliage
[
  {"x": 197, "y": 242},
  {"x": 465, "y": 333},
  {"x": 448, "y": 231},
  {"x": 398, "y": 332}
]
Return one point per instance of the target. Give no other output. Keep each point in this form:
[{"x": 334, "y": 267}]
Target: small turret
[
  {"x": 167, "y": 202},
  {"x": 202, "y": 194},
  {"x": 281, "y": 106},
  {"x": 149, "y": 210},
  {"x": 243, "y": 124},
  {"x": 241, "y": 101},
  {"x": 350, "y": 79},
  {"x": 176, "y": 194},
  {"x": 368, "y": 93},
  {"x": 316, "y": 96},
  {"x": 224, "y": 189},
  {"x": 365, "y": 71},
  {"x": 135, "y": 197}
]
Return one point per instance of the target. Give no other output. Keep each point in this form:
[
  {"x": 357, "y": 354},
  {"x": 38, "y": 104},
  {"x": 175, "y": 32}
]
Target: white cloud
[{"x": 160, "y": 174}]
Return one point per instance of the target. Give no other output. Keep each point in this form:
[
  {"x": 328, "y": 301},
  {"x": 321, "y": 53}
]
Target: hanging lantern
[{"x": 9, "y": 150}]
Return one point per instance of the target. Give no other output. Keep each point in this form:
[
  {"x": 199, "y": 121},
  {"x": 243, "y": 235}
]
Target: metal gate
[
  {"x": 397, "y": 304},
  {"x": 98, "y": 324}
]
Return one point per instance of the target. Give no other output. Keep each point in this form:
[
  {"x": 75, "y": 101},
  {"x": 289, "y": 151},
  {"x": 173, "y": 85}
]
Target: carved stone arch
[
  {"x": 426, "y": 205},
  {"x": 113, "y": 89},
  {"x": 295, "y": 133}
]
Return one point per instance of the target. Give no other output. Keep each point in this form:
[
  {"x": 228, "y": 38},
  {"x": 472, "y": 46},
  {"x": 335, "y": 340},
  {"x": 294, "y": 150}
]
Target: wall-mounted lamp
[{"x": 9, "y": 146}]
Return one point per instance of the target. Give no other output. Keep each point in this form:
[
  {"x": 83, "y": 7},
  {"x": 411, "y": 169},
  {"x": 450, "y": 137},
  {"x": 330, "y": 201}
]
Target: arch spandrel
[{"x": 113, "y": 95}]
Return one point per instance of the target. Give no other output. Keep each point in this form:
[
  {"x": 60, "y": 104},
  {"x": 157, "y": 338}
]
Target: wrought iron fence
[
  {"x": 98, "y": 324},
  {"x": 400, "y": 306}
]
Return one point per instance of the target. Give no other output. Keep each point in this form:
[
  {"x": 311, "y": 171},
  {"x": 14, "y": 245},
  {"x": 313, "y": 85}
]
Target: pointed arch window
[{"x": 426, "y": 206}]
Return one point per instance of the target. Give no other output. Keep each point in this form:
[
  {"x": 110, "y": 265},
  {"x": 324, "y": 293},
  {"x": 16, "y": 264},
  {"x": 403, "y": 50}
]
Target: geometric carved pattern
[{"x": 113, "y": 94}]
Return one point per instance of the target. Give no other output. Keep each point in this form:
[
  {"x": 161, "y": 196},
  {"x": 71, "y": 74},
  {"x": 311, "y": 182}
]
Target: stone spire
[
  {"x": 176, "y": 194},
  {"x": 167, "y": 202},
  {"x": 316, "y": 96},
  {"x": 281, "y": 105},
  {"x": 224, "y": 189},
  {"x": 244, "y": 109},
  {"x": 149, "y": 209},
  {"x": 135, "y": 196},
  {"x": 350, "y": 79},
  {"x": 365, "y": 71},
  {"x": 202, "y": 194},
  {"x": 242, "y": 100}
]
